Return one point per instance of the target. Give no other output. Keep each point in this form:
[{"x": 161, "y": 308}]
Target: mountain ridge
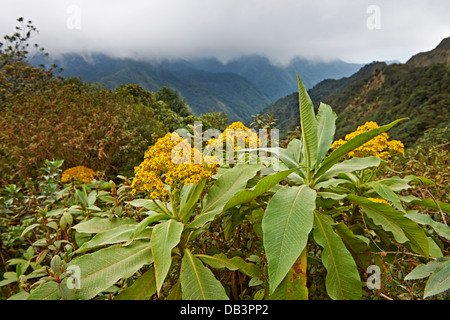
[
  {"x": 241, "y": 87},
  {"x": 418, "y": 89}
]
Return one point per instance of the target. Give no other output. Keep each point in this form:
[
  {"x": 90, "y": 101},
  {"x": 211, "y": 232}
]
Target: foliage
[
  {"x": 241, "y": 235},
  {"x": 47, "y": 117},
  {"x": 297, "y": 222}
]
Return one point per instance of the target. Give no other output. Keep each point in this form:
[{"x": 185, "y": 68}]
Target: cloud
[{"x": 279, "y": 29}]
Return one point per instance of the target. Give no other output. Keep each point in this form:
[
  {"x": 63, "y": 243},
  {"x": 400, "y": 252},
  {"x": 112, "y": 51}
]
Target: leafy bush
[{"x": 310, "y": 229}]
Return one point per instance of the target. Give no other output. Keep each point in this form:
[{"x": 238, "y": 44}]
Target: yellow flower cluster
[
  {"x": 235, "y": 133},
  {"x": 80, "y": 172},
  {"x": 170, "y": 162},
  {"x": 379, "y": 146},
  {"x": 378, "y": 200}
]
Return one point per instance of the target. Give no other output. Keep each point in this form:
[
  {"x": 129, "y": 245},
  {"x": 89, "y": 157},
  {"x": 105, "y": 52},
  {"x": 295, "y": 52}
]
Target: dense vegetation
[{"x": 95, "y": 204}]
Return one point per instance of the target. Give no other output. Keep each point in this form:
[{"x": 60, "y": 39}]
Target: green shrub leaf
[
  {"x": 165, "y": 236},
  {"x": 342, "y": 280},
  {"x": 198, "y": 282},
  {"x": 286, "y": 224}
]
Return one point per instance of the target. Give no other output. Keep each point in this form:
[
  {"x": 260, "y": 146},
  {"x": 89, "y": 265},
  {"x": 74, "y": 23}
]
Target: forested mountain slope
[{"x": 418, "y": 89}]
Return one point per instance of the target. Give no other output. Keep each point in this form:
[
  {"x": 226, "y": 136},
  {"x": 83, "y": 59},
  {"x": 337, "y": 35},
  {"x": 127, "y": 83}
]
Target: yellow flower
[
  {"x": 171, "y": 161},
  {"x": 80, "y": 172},
  {"x": 378, "y": 146},
  {"x": 378, "y": 200},
  {"x": 235, "y": 134}
]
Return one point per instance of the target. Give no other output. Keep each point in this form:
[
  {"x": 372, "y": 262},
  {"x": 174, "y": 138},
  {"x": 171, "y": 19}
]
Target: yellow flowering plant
[
  {"x": 78, "y": 173},
  {"x": 235, "y": 137},
  {"x": 169, "y": 165},
  {"x": 379, "y": 146},
  {"x": 161, "y": 236}
]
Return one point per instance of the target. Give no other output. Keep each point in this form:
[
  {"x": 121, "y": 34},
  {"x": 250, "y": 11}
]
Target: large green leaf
[
  {"x": 439, "y": 280},
  {"x": 342, "y": 280},
  {"x": 350, "y": 165},
  {"x": 229, "y": 184},
  {"x": 386, "y": 193},
  {"x": 262, "y": 186},
  {"x": 326, "y": 127},
  {"x": 117, "y": 235},
  {"x": 286, "y": 224},
  {"x": 220, "y": 261},
  {"x": 293, "y": 287},
  {"x": 439, "y": 273},
  {"x": 354, "y": 143},
  {"x": 425, "y": 219},
  {"x": 198, "y": 282},
  {"x": 165, "y": 236},
  {"x": 103, "y": 268},
  {"x": 188, "y": 199},
  {"x": 142, "y": 289},
  {"x": 308, "y": 124},
  {"x": 48, "y": 291},
  {"x": 402, "y": 228},
  {"x": 152, "y": 218},
  {"x": 359, "y": 249},
  {"x": 423, "y": 270},
  {"x": 99, "y": 225},
  {"x": 430, "y": 203}
]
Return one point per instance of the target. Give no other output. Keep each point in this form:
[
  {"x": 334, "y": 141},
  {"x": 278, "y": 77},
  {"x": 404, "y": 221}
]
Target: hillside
[
  {"x": 417, "y": 89},
  {"x": 241, "y": 87},
  {"x": 278, "y": 81},
  {"x": 203, "y": 91},
  {"x": 441, "y": 54}
]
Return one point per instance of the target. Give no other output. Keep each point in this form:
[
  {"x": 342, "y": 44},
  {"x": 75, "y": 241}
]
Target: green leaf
[
  {"x": 342, "y": 280},
  {"x": 308, "y": 125},
  {"x": 429, "y": 203},
  {"x": 439, "y": 280},
  {"x": 229, "y": 184},
  {"x": 359, "y": 249},
  {"x": 165, "y": 236},
  {"x": 92, "y": 197},
  {"x": 354, "y": 143},
  {"x": 82, "y": 196},
  {"x": 293, "y": 287},
  {"x": 286, "y": 224},
  {"x": 153, "y": 217},
  {"x": 119, "y": 234},
  {"x": 331, "y": 195},
  {"x": 148, "y": 204},
  {"x": 425, "y": 219},
  {"x": 29, "y": 228},
  {"x": 387, "y": 194},
  {"x": 397, "y": 184},
  {"x": 47, "y": 291},
  {"x": 423, "y": 270},
  {"x": 350, "y": 165},
  {"x": 142, "y": 289},
  {"x": 188, "y": 199},
  {"x": 326, "y": 127},
  {"x": 175, "y": 292},
  {"x": 264, "y": 185},
  {"x": 101, "y": 269},
  {"x": 99, "y": 225},
  {"x": 220, "y": 261},
  {"x": 435, "y": 251},
  {"x": 198, "y": 282},
  {"x": 402, "y": 228}
]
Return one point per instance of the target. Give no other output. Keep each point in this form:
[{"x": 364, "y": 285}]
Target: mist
[{"x": 354, "y": 31}]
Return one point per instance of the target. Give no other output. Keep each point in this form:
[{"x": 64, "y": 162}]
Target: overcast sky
[{"x": 352, "y": 30}]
